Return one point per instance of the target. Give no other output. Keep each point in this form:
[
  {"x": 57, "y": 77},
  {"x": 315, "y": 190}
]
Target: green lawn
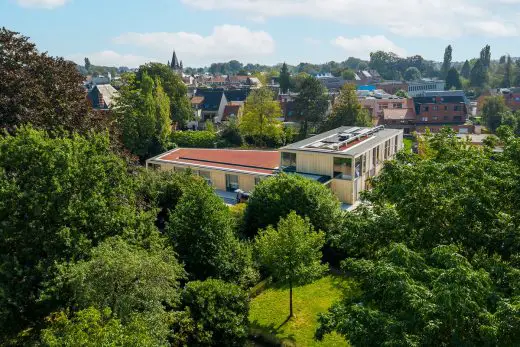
[
  {"x": 270, "y": 310},
  {"x": 408, "y": 143}
]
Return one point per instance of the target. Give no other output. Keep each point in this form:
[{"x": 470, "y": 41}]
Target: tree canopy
[
  {"x": 412, "y": 74},
  {"x": 311, "y": 104},
  {"x": 453, "y": 80},
  {"x": 348, "y": 111}
]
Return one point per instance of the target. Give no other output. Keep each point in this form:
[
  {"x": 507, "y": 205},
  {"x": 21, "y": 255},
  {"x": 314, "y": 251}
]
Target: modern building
[
  {"x": 343, "y": 159},
  {"x": 418, "y": 88}
]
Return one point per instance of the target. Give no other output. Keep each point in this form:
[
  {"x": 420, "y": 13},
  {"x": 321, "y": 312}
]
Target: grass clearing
[{"x": 270, "y": 310}]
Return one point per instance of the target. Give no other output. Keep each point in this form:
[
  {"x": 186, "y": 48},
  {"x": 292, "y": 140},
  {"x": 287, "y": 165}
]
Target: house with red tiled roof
[{"x": 233, "y": 110}]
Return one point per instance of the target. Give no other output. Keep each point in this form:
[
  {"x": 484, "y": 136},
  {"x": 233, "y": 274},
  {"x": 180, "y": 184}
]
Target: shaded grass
[
  {"x": 408, "y": 143},
  {"x": 269, "y": 311}
]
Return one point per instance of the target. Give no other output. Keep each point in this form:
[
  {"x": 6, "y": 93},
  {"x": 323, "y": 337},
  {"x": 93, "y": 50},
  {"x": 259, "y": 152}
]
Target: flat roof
[
  {"x": 357, "y": 146},
  {"x": 245, "y": 161}
]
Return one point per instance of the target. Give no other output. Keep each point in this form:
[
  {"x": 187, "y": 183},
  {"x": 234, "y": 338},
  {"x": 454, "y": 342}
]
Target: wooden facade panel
[
  {"x": 246, "y": 182},
  {"x": 314, "y": 163},
  {"x": 218, "y": 180},
  {"x": 343, "y": 190}
]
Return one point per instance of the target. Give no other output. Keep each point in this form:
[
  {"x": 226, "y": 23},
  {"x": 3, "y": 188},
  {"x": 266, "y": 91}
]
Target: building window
[
  {"x": 445, "y": 108},
  {"x": 206, "y": 175},
  {"x": 155, "y": 167},
  {"x": 436, "y": 108},
  {"x": 426, "y": 109},
  {"x": 387, "y": 149},
  {"x": 343, "y": 168},
  {"x": 289, "y": 161},
  {"x": 446, "y": 118},
  {"x": 396, "y": 144},
  {"x": 364, "y": 163},
  {"x": 435, "y": 118},
  {"x": 456, "y": 108},
  {"x": 457, "y": 119},
  {"x": 257, "y": 180},
  {"x": 231, "y": 183},
  {"x": 424, "y": 119},
  {"x": 358, "y": 167}
]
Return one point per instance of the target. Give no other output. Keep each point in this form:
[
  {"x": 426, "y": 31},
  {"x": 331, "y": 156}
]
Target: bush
[{"x": 194, "y": 139}]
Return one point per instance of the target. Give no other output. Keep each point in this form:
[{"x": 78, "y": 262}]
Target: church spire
[{"x": 175, "y": 62}]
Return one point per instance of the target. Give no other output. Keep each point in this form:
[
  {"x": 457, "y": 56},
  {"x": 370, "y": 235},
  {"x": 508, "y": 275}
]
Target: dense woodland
[{"x": 95, "y": 250}]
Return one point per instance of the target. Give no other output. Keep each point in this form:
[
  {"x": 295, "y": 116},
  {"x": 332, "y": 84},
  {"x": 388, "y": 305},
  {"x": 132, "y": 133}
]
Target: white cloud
[
  {"x": 361, "y": 46},
  {"x": 49, "y": 4},
  {"x": 224, "y": 43},
  {"x": 111, "y": 58},
  {"x": 410, "y": 18},
  {"x": 494, "y": 28}
]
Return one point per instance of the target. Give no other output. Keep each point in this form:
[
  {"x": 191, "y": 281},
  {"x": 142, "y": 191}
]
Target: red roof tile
[
  {"x": 230, "y": 110},
  {"x": 196, "y": 100},
  {"x": 263, "y": 162}
]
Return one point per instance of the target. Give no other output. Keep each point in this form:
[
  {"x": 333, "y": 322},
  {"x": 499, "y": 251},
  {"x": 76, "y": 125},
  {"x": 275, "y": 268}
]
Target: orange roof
[
  {"x": 231, "y": 110},
  {"x": 255, "y": 161},
  {"x": 196, "y": 100}
]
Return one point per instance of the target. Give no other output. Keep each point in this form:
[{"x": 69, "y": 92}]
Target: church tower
[{"x": 175, "y": 65}]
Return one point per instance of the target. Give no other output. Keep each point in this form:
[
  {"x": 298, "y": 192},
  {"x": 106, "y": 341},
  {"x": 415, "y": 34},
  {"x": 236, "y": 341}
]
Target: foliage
[
  {"x": 348, "y": 75},
  {"x": 285, "y": 79},
  {"x": 438, "y": 299},
  {"x": 220, "y": 312},
  {"x": 276, "y": 197},
  {"x": 348, "y": 111},
  {"x": 58, "y": 198},
  {"x": 91, "y": 327},
  {"x": 492, "y": 108},
  {"x": 402, "y": 94},
  {"x": 260, "y": 123},
  {"x": 479, "y": 75},
  {"x": 446, "y": 65},
  {"x": 44, "y": 91},
  {"x": 174, "y": 87},
  {"x": 311, "y": 104},
  {"x": 453, "y": 80},
  {"x": 291, "y": 252},
  {"x": 412, "y": 74},
  {"x": 194, "y": 139},
  {"x": 201, "y": 231},
  {"x": 466, "y": 70},
  {"x": 269, "y": 309},
  {"x": 231, "y": 134},
  {"x": 125, "y": 278},
  {"x": 508, "y": 73},
  {"x": 485, "y": 56}
]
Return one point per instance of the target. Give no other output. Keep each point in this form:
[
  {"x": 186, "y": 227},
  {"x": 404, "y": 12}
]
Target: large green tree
[
  {"x": 311, "y": 104},
  {"x": 42, "y": 90},
  {"x": 508, "y": 73},
  {"x": 285, "y": 79},
  {"x": 219, "y": 311},
  {"x": 276, "y": 197},
  {"x": 292, "y": 252},
  {"x": 59, "y": 197},
  {"x": 466, "y": 70},
  {"x": 348, "y": 111},
  {"x": 201, "y": 231},
  {"x": 446, "y": 64},
  {"x": 453, "y": 79},
  {"x": 260, "y": 123},
  {"x": 412, "y": 74},
  {"x": 485, "y": 56},
  {"x": 479, "y": 74},
  {"x": 492, "y": 109}
]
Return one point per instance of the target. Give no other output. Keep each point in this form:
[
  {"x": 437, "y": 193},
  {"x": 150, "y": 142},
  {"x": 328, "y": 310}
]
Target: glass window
[
  {"x": 289, "y": 161},
  {"x": 426, "y": 108},
  {"x": 358, "y": 167},
  {"x": 364, "y": 163},
  {"x": 343, "y": 168},
  {"x": 396, "y": 144},
  {"x": 424, "y": 119},
  {"x": 154, "y": 166},
  {"x": 436, "y": 108},
  {"x": 456, "y": 108},
  {"x": 257, "y": 180},
  {"x": 435, "y": 118},
  {"x": 231, "y": 183},
  {"x": 206, "y": 175}
]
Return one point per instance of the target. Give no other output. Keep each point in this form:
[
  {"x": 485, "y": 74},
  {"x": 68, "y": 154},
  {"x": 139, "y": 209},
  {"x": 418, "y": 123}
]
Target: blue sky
[{"x": 117, "y": 32}]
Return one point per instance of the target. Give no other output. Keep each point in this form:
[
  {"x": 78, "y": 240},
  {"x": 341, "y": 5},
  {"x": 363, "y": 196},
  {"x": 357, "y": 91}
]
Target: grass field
[
  {"x": 408, "y": 143},
  {"x": 270, "y": 310}
]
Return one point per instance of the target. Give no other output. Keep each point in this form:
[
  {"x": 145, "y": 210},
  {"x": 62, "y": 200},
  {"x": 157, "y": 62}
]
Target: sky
[{"x": 133, "y": 32}]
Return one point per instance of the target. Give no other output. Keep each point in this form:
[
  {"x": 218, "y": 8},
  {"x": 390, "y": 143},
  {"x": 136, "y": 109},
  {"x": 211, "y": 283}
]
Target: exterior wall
[
  {"x": 220, "y": 112},
  {"x": 342, "y": 189},
  {"x": 445, "y": 113},
  {"x": 416, "y": 89},
  {"x": 314, "y": 163},
  {"x": 376, "y": 106}
]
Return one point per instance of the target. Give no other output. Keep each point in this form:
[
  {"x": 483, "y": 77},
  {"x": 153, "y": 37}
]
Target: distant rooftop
[{"x": 344, "y": 140}]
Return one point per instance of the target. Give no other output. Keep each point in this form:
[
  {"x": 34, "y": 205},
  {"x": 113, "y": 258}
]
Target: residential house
[
  {"x": 217, "y": 81},
  {"x": 439, "y": 109},
  {"x": 400, "y": 118},
  {"x": 342, "y": 159},
  {"x": 377, "y": 101},
  {"x": 212, "y": 105},
  {"x": 102, "y": 97},
  {"x": 238, "y": 81},
  {"x": 237, "y": 95},
  {"x": 233, "y": 110},
  {"x": 418, "y": 88}
]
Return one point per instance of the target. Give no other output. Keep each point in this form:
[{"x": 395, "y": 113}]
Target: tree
[
  {"x": 479, "y": 75},
  {"x": 91, "y": 327},
  {"x": 492, "y": 108},
  {"x": 220, "y": 312},
  {"x": 285, "y": 79},
  {"x": 348, "y": 75},
  {"x": 260, "y": 119},
  {"x": 446, "y": 65},
  {"x": 292, "y": 252},
  {"x": 311, "y": 104},
  {"x": 412, "y": 74},
  {"x": 126, "y": 278},
  {"x": 508, "y": 73},
  {"x": 362, "y": 66},
  {"x": 174, "y": 87},
  {"x": 402, "y": 94},
  {"x": 44, "y": 91},
  {"x": 201, "y": 232},
  {"x": 502, "y": 60},
  {"x": 410, "y": 299},
  {"x": 87, "y": 64},
  {"x": 348, "y": 111},
  {"x": 59, "y": 198},
  {"x": 276, "y": 197},
  {"x": 485, "y": 56},
  {"x": 163, "y": 120},
  {"x": 466, "y": 70},
  {"x": 517, "y": 74},
  {"x": 453, "y": 80}
]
